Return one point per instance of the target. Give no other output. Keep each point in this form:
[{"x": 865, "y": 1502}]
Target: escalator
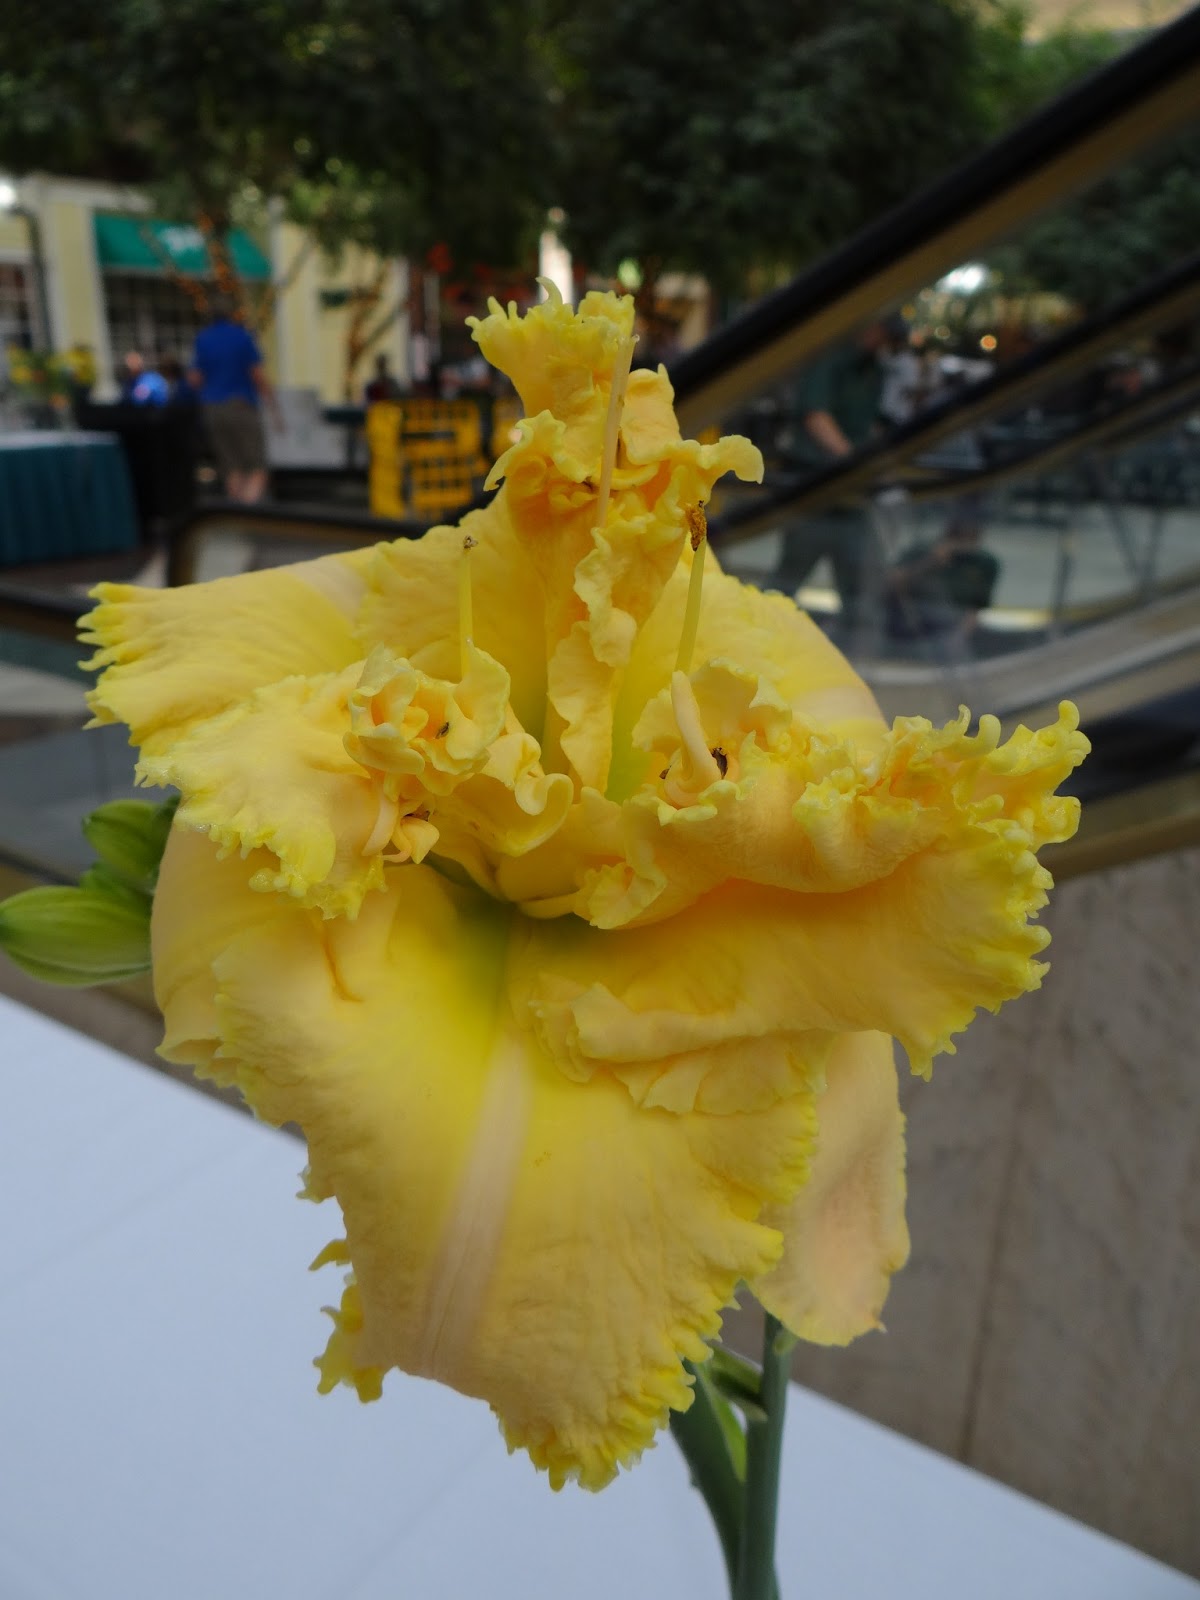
[
  {"x": 1086, "y": 485},
  {"x": 1148, "y": 93}
]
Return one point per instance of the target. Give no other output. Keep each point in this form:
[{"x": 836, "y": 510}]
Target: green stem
[
  {"x": 764, "y": 1447},
  {"x": 701, "y": 1437},
  {"x": 739, "y": 1381}
]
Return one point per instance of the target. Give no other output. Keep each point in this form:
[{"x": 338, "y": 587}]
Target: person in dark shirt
[
  {"x": 382, "y": 386},
  {"x": 227, "y": 369},
  {"x": 179, "y": 391},
  {"x": 936, "y": 591},
  {"x": 837, "y": 411}
]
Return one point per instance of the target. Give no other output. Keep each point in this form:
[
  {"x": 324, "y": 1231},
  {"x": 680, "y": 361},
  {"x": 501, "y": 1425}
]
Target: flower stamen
[
  {"x": 699, "y": 766},
  {"x": 385, "y": 826},
  {"x": 612, "y": 425},
  {"x": 698, "y": 533},
  {"x": 466, "y": 620}
]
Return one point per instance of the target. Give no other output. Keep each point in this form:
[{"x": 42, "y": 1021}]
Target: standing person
[
  {"x": 937, "y": 591},
  {"x": 179, "y": 391},
  {"x": 150, "y": 388},
  {"x": 837, "y": 408},
  {"x": 900, "y": 398},
  {"x": 382, "y": 386},
  {"x": 228, "y": 371},
  {"x": 132, "y": 368}
]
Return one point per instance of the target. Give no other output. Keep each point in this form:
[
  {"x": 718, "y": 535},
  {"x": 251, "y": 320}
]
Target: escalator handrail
[
  {"x": 1142, "y": 414},
  {"x": 1105, "y": 118},
  {"x": 37, "y": 610},
  {"x": 1158, "y": 303},
  {"x": 305, "y": 523}
]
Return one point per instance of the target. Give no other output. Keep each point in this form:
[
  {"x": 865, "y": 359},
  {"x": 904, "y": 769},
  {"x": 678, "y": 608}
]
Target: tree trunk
[
  {"x": 362, "y": 304},
  {"x": 216, "y": 241}
]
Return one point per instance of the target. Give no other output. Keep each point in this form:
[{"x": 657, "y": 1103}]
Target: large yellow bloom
[{"x": 572, "y": 925}]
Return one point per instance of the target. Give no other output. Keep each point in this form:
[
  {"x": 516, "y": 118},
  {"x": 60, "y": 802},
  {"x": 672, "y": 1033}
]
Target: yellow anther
[
  {"x": 698, "y": 533},
  {"x": 612, "y": 425}
]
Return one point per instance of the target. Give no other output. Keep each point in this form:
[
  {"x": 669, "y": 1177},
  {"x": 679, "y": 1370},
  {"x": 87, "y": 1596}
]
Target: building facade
[{"x": 118, "y": 279}]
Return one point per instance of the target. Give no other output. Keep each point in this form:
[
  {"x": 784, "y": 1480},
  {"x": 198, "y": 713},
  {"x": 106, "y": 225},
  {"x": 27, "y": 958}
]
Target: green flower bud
[
  {"x": 130, "y": 837},
  {"x": 76, "y": 936},
  {"x": 102, "y": 879}
]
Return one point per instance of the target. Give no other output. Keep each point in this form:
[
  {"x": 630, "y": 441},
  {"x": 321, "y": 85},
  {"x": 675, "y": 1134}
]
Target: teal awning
[{"x": 143, "y": 244}]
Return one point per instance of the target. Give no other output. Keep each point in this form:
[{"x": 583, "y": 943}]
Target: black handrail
[
  {"x": 304, "y": 523},
  {"x": 1106, "y": 118},
  {"x": 1120, "y": 423},
  {"x": 1160, "y": 303}
]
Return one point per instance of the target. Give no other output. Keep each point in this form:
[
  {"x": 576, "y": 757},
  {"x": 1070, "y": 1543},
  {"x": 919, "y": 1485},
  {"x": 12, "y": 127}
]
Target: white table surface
[
  {"x": 161, "y": 1437},
  {"x": 47, "y": 438}
]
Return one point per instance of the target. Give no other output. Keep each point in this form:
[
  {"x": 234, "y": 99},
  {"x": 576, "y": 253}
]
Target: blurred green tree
[
  {"x": 733, "y": 142},
  {"x": 739, "y": 141},
  {"x": 400, "y": 122},
  {"x": 1119, "y": 232}
]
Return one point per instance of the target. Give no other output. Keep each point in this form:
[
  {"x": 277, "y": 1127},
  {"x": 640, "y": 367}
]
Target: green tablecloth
[{"x": 63, "y": 496}]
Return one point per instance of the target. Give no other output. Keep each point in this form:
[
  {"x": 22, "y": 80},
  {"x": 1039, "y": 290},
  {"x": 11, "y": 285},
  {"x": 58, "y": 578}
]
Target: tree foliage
[
  {"x": 1134, "y": 222},
  {"x": 208, "y": 103},
  {"x": 732, "y": 141},
  {"x": 719, "y": 139}
]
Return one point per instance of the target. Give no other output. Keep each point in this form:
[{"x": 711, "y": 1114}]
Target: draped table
[
  {"x": 160, "y": 1433},
  {"x": 64, "y": 496}
]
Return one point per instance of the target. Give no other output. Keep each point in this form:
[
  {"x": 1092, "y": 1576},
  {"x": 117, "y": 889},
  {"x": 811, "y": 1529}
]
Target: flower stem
[
  {"x": 701, "y": 1436},
  {"x": 764, "y": 1446}
]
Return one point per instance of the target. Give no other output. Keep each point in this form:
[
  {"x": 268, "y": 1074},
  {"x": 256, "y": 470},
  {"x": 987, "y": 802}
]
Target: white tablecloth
[{"x": 161, "y": 1438}]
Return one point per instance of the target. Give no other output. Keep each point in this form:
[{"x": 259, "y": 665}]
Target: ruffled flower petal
[
  {"x": 203, "y": 904},
  {"x": 411, "y": 605},
  {"x": 170, "y": 657},
  {"x": 914, "y": 954},
  {"x": 692, "y": 1014},
  {"x": 273, "y": 774},
  {"x": 844, "y": 1234},
  {"x": 425, "y": 735},
  {"x": 476, "y": 1180},
  {"x": 762, "y": 636},
  {"x": 561, "y": 360},
  {"x": 751, "y": 801},
  {"x": 508, "y": 809}
]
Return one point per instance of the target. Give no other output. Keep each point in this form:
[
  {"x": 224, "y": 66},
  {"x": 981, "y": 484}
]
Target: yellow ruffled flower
[{"x": 569, "y": 895}]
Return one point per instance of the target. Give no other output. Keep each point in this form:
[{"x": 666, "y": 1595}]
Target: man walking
[
  {"x": 228, "y": 371},
  {"x": 837, "y": 405}
]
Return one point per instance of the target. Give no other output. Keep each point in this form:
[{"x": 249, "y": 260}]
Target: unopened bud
[
  {"x": 76, "y": 936},
  {"x": 102, "y": 879},
  {"x": 130, "y": 836}
]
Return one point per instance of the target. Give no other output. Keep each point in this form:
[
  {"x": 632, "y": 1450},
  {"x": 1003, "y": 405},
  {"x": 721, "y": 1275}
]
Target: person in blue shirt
[
  {"x": 227, "y": 369},
  {"x": 151, "y": 389}
]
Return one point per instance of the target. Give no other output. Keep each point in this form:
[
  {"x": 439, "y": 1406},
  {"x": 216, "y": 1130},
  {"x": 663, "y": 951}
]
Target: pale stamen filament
[
  {"x": 612, "y": 425},
  {"x": 698, "y": 534},
  {"x": 466, "y": 620},
  {"x": 699, "y": 766},
  {"x": 385, "y": 826}
]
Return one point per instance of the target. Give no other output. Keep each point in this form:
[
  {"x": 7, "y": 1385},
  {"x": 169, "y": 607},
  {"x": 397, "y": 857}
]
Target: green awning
[{"x": 144, "y": 245}]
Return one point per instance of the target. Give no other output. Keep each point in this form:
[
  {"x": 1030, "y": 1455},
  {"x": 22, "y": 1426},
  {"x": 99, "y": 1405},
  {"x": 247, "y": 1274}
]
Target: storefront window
[
  {"x": 16, "y": 313},
  {"x": 151, "y": 314}
]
